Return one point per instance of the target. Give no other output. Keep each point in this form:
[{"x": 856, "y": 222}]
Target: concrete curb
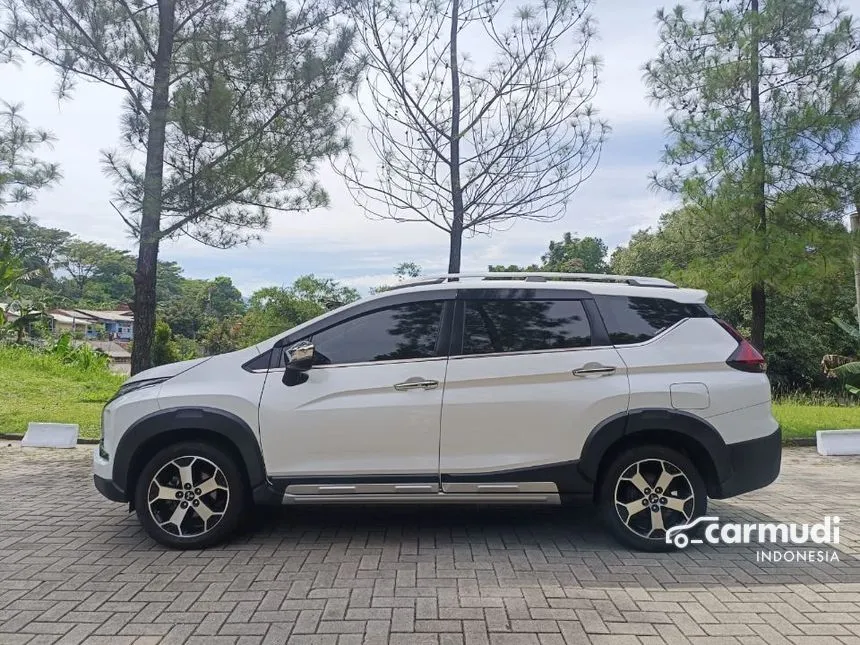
[{"x": 82, "y": 441}]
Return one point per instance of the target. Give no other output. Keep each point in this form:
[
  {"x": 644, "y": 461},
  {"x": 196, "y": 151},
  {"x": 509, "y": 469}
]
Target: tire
[
  {"x": 212, "y": 489},
  {"x": 621, "y": 490}
]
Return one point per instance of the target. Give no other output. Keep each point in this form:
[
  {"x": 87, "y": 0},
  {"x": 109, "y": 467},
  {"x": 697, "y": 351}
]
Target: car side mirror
[{"x": 299, "y": 358}]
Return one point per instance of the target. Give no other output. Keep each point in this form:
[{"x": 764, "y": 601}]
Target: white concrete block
[
  {"x": 838, "y": 442},
  {"x": 50, "y": 435}
]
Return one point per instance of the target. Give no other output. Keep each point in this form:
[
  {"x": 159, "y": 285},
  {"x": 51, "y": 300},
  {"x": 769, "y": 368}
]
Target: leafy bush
[
  {"x": 845, "y": 368},
  {"x": 81, "y": 356},
  {"x": 164, "y": 348}
]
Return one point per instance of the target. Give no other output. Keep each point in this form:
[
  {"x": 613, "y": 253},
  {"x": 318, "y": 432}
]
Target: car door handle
[
  {"x": 593, "y": 369},
  {"x": 416, "y": 384}
]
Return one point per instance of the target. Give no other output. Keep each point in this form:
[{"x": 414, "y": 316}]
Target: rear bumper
[{"x": 754, "y": 464}]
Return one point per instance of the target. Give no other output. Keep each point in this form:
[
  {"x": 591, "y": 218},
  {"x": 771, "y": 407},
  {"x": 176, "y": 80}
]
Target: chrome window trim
[
  {"x": 391, "y": 362},
  {"x": 362, "y": 364},
  {"x": 529, "y": 352}
]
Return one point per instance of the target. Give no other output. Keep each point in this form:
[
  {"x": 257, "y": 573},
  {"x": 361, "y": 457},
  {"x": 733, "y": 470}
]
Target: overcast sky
[{"x": 341, "y": 242}]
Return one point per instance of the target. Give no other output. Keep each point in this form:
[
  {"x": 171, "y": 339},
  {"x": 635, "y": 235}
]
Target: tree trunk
[
  {"x": 456, "y": 248},
  {"x": 854, "y": 227},
  {"x": 150, "y": 217},
  {"x": 758, "y": 297}
]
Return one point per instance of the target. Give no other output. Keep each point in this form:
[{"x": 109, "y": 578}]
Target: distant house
[
  {"x": 93, "y": 324},
  {"x": 9, "y": 312},
  {"x": 117, "y": 324},
  {"x": 73, "y": 322}
]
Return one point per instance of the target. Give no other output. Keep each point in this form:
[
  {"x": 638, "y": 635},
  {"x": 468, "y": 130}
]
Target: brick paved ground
[{"x": 76, "y": 568}]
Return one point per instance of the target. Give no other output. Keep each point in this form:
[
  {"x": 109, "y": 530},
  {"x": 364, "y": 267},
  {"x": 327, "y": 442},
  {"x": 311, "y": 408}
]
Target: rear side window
[
  {"x": 498, "y": 326},
  {"x": 634, "y": 320}
]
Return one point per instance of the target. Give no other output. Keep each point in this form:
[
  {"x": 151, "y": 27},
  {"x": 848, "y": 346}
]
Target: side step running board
[
  {"x": 423, "y": 498},
  {"x": 422, "y": 493}
]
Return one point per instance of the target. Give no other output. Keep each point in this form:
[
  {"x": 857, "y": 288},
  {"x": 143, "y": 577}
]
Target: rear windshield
[{"x": 634, "y": 320}]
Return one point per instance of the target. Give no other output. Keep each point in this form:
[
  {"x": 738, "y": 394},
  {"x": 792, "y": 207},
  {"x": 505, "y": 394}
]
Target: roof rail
[{"x": 538, "y": 276}]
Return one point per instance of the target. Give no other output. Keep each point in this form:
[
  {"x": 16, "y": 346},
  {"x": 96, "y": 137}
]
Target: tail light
[{"x": 745, "y": 358}]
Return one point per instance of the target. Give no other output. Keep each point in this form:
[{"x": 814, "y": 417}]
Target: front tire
[
  {"x": 190, "y": 495},
  {"x": 646, "y": 491}
]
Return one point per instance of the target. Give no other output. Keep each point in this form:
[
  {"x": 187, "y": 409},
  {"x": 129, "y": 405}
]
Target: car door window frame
[
  {"x": 599, "y": 335},
  {"x": 442, "y": 341},
  {"x": 273, "y": 359}
]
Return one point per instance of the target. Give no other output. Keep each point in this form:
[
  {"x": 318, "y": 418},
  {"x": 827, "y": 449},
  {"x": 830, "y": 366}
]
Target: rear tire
[
  {"x": 190, "y": 495},
  {"x": 647, "y": 490}
]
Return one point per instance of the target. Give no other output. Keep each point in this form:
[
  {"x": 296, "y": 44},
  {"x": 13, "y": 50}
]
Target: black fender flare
[
  {"x": 163, "y": 422},
  {"x": 627, "y": 424}
]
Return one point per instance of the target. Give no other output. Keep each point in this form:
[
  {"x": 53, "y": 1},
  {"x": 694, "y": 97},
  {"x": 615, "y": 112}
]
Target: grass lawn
[
  {"x": 800, "y": 420},
  {"x": 38, "y": 387}
]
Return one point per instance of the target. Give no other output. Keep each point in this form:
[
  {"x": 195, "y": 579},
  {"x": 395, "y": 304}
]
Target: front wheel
[
  {"x": 190, "y": 495},
  {"x": 648, "y": 490}
]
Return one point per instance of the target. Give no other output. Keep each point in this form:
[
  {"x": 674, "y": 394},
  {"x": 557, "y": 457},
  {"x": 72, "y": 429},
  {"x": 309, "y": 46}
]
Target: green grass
[
  {"x": 40, "y": 387},
  {"x": 799, "y": 420}
]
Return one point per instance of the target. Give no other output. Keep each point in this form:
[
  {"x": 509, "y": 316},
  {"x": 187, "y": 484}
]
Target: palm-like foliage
[
  {"x": 845, "y": 368},
  {"x": 12, "y": 273}
]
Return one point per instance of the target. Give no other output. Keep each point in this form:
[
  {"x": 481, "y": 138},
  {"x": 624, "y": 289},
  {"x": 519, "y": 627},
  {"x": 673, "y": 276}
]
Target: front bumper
[
  {"x": 754, "y": 464},
  {"x": 107, "y": 488},
  {"x": 103, "y": 478}
]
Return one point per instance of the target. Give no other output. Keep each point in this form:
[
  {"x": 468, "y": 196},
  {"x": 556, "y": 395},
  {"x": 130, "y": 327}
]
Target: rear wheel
[
  {"x": 190, "y": 495},
  {"x": 648, "y": 490}
]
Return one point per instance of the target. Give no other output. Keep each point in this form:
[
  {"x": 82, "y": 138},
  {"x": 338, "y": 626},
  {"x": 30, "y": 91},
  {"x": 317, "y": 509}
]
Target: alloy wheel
[
  {"x": 188, "y": 496},
  {"x": 652, "y": 496}
]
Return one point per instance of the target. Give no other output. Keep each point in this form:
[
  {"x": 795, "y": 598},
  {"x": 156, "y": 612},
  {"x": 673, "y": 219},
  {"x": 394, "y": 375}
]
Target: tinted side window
[
  {"x": 634, "y": 320},
  {"x": 494, "y": 326},
  {"x": 405, "y": 331}
]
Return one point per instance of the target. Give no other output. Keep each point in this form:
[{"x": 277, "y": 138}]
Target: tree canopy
[
  {"x": 229, "y": 106},
  {"x": 568, "y": 255},
  {"x": 763, "y": 100},
  {"x": 21, "y": 171},
  {"x": 480, "y": 113}
]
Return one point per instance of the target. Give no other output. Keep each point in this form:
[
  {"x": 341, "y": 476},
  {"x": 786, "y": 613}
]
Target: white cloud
[
  {"x": 626, "y": 40},
  {"x": 366, "y": 282}
]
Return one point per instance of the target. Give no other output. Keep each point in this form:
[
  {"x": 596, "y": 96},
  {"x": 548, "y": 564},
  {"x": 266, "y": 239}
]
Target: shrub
[{"x": 82, "y": 356}]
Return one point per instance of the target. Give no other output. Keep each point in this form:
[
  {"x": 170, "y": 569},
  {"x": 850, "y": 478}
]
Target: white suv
[{"x": 491, "y": 388}]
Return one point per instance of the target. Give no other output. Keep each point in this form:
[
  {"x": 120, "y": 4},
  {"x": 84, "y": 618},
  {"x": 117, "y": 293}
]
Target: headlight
[{"x": 125, "y": 388}]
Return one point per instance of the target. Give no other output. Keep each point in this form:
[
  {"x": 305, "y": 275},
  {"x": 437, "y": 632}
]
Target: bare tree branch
[{"x": 472, "y": 141}]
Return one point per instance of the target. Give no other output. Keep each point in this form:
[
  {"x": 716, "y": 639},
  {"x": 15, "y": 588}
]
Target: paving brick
[{"x": 86, "y": 574}]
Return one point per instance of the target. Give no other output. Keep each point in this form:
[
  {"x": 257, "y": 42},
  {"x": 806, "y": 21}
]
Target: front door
[{"x": 370, "y": 408}]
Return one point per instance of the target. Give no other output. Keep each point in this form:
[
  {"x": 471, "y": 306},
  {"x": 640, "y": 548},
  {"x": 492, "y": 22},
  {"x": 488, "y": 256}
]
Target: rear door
[{"x": 530, "y": 375}]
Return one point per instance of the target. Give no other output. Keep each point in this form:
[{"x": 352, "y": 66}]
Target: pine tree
[
  {"x": 231, "y": 104},
  {"x": 762, "y": 98}
]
